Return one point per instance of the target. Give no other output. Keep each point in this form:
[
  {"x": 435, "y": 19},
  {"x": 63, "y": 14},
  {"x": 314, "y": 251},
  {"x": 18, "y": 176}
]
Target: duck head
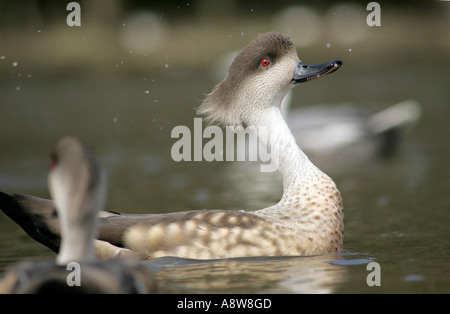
[{"x": 260, "y": 76}]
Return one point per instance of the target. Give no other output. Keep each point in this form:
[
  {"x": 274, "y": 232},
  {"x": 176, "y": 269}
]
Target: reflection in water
[{"x": 312, "y": 274}]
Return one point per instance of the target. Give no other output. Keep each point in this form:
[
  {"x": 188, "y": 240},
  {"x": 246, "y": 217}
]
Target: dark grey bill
[{"x": 306, "y": 72}]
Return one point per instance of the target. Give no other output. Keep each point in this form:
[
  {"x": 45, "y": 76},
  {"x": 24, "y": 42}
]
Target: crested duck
[{"x": 309, "y": 218}]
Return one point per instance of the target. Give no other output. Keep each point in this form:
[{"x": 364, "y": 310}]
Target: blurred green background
[{"x": 190, "y": 33}]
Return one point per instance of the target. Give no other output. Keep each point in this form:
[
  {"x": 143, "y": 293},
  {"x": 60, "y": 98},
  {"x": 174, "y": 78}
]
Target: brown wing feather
[{"x": 202, "y": 234}]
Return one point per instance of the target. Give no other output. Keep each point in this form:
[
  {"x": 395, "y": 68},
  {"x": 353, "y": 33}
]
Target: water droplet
[
  {"x": 328, "y": 45},
  {"x": 413, "y": 277},
  {"x": 350, "y": 50},
  {"x": 382, "y": 201},
  {"x": 39, "y": 30},
  {"x": 18, "y": 88},
  {"x": 202, "y": 194},
  {"x": 242, "y": 33},
  {"x": 15, "y": 64},
  {"x": 3, "y": 57},
  {"x": 166, "y": 65}
]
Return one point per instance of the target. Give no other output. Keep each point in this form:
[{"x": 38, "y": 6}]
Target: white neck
[
  {"x": 78, "y": 219},
  {"x": 284, "y": 152},
  {"x": 76, "y": 245}
]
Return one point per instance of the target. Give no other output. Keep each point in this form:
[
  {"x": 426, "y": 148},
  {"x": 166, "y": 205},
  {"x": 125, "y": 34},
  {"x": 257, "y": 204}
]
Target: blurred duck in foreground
[{"x": 77, "y": 185}]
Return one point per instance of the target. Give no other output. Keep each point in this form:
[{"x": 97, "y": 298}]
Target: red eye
[
  {"x": 52, "y": 162},
  {"x": 265, "y": 62}
]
